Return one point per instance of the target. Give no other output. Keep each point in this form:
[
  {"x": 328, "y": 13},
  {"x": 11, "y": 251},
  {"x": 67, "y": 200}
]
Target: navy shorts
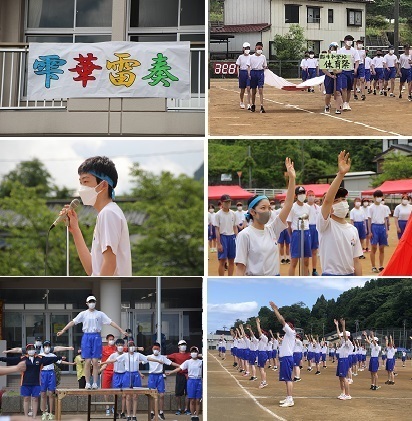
[
  {"x": 156, "y": 381},
  {"x": 361, "y": 71},
  {"x": 229, "y": 247},
  {"x": 211, "y": 232},
  {"x": 48, "y": 380},
  {"x": 360, "y": 226},
  {"x": 314, "y": 237},
  {"x": 311, "y": 73},
  {"x": 390, "y": 364},
  {"x": 244, "y": 81},
  {"x": 304, "y": 75},
  {"x": 284, "y": 237},
  {"x": 91, "y": 345},
  {"x": 406, "y": 75},
  {"x": 330, "y": 86},
  {"x": 347, "y": 79},
  {"x": 194, "y": 388},
  {"x": 286, "y": 369},
  {"x": 343, "y": 367},
  {"x": 390, "y": 73},
  {"x": 379, "y": 235},
  {"x": 323, "y": 357},
  {"x": 295, "y": 244},
  {"x": 33, "y": 391},
  {"x": 297, "y": 358},
  {"x": 374, "y": 364},
  {"x": 367, "y": 75},
  {"x": 262, "y": 358},
  {"x": 379, "y": 74},
  {"x": 257, "y": 79},
  {"x": 252, "y": 357},
  {"x": 402, "y": 225},
  {"x": 317, "y": 357}
]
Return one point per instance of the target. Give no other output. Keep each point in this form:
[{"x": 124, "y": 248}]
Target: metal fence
[{"x": 13, "y": 82}]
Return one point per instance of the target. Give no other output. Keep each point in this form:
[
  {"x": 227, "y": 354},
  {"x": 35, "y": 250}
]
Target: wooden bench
[{"x": 151, "y": 394}]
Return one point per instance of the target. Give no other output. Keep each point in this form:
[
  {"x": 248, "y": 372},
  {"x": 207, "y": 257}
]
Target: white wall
[{"x": 238, "y": 12}]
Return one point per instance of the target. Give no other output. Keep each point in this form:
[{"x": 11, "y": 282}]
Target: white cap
[
  {"x": 182, "y": 342},
  {"x": 347, "y": 333},
  {"x": 246, "y": 44},
  {"x": 90, "y": 297},
  {"x": 376, "y": 339}
]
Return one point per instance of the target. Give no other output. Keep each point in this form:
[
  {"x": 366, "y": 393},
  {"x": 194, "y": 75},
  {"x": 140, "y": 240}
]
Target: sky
[
  {"x": 230, "y": 298},
  {"x": 62, "y": 156}
]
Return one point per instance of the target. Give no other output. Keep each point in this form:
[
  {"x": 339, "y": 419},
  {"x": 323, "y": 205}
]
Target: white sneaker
[
  {"x": 341, "y": 396},
  {"x": 327, "y": 109},
  {"x": 94, "y": 386},
  {"x": 282, "y": 401},
  {"x": 242, "y": 105},
  {"x": 45, "y": 416},
  {"x": 51, "y": 417},
  {"x": 248, "y": 106},
  {"x": 348, "y": 397},
  {"x": 287, "y": 403},
  {"x": 262, "y": 385},
  {"x": 350, "y": 381},
  {"x": 348, "y": 108},
  {"x": 107, "y": 412},
  {"x": 88, "y": 386},
  {"x": 344, "y": 105}
]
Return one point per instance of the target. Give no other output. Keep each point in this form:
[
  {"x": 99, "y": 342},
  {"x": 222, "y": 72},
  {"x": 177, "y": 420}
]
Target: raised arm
[
  {"x": 277, "y": 314},
  {"x": 337, "y": 326},
  {"x": 116, "y": 326},
  {"x": 68, "y": 326},
  {"x": 290, "y": 195},
  {"x": 258, "y": 326}
]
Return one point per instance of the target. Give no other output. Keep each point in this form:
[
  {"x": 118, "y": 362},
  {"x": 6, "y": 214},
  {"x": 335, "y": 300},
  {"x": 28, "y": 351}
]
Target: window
[
  {"x": 68, "y": 21},
  {"x": 313, "y": 14},
  {"x": 330, "y": 15},
  {"x": 291, "y": 13},
  {"x": 314, "y": 46},
  {"x": 354, "y": 17}
]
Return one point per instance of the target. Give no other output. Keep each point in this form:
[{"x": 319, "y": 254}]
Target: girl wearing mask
[
  {"x": 258, "y": 65},
  {"x": 257, "y": 252},
  {"x": 211, "y": 230},
  {"x": 377, "y": 71},
  {"x": 93, "y": 321},
  {"x": 365, "y": 208},
  {"x": 243, "y": 74},
  {"x": 357, "y": 219},
  {"x": 284, "y": 239},
  {"x": 333, "y": 84},
  {"x": 401, "y": 215},
  {"x": 339, "y": 243},
  {"x": 314, "y": 237}
]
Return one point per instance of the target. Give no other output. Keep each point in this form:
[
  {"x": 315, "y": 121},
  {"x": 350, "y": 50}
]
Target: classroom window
[
  {"x": 330, "y": 15},
  {"x": 313, "y": 14},
  {"x": 291, "y": 13},
  {"x": 354, "y": 17},
  {"x": 314, "y": 46}
]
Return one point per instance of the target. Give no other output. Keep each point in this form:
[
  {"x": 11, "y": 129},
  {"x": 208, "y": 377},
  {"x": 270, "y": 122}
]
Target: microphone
[
  {"x": 304, "y": 216},
  {"x": 74, "y": 203}
]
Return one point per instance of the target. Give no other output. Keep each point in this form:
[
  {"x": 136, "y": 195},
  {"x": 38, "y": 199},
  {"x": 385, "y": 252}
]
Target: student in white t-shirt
[
  {"x": 110, "y": 254},
  {"x": 211, "y": 230},
  {"x": 405, "y": 71},
  {"x": 314, "y": 237},
  {"x": 286, "y": 355},
  {"x": 339, "y": 244},
  {"x": 391, "y": 65},
  {"x": 378, "y": 227},
  {"x": 240, "y": 217},
  {"x": 358, "y": 220},
  {"x": 93, "y": 321},
  {"x": 377, "y": 71},
  {"x": 243, "y": 74},
  {"x": 374, "y": 359},
  {"x": 258, "y": 65},
  {"x": 343, "y": 362},
  {"x": 390, "y": 360},
  {"x": 401, "y": 215},
  {"x": 257, "y": 252}
]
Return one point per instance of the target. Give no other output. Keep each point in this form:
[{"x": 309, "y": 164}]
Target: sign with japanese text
[
  {"x": 109, "y": 69},
  {"x": 335, "y": 61}
]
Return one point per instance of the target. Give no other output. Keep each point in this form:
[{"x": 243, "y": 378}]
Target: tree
[
  {"x": 291, "y": 45},
  {"x": 395, "y": 167},
  {"x": 171, "y": 239}
]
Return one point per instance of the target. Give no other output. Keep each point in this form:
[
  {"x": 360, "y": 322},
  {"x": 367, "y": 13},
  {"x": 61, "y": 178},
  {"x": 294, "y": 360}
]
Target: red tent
[
  {"x": 235, "y": 192},
  {"x": 392, "y": 187},
  {"x": 318, "y": 189}
]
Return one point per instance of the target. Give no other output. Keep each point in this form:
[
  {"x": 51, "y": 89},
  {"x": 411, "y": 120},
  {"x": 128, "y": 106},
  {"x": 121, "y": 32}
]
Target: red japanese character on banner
[{"x": 85, "y": 68}]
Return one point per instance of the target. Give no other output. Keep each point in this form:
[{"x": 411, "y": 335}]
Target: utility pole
[
  {"x": 250, "y": 169},
  {"x": 396, "y": 27}
]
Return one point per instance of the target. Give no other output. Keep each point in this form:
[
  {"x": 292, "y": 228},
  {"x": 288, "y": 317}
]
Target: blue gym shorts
[
  {"x": 297, "y": 358},
  {"x": 390, "y": 364},
  {"x": 374, "y": 364},
  {"x": 91, "y": 345},
  {"x": 48, "y": 380},
  {"x": 286, "y": 368},
  {"x": 244, "y": 81},
  {"x": 257, "y": 78},
  {"x": 314, "y": 237},
  {"x": 118, "y": 380},
  {"x": 343, "y": 367},
  {"x": 136, "y": 380},
  {"x": 360, "y": 226},
  {"x": 347, "y": 79},
  {"x": 406, "y": 75},
  {"x": 194, "y": 388},
  {"x": 284, "y": 237},
  {"x": 390, "y": 73},
  {"x": 379, "y": 235},
  {"x": 33, "y": 391},
  {"x": 295, "y": 244},
  {"x": 229, "y": 247},
  {"x": 156, "y": 381},
  {"x": 262, "y": 358}
]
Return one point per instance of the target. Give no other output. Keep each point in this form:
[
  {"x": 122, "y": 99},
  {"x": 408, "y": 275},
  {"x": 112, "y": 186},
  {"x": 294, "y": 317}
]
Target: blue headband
[
  {"x": 255, "y": 201},
  {"x": 105, "y": 178}
]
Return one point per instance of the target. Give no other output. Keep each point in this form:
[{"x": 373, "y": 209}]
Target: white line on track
[
  {"x": 248, "y": 393},
  {"x": 296, "y": 107},
  {"x": 380, "y": 398}
]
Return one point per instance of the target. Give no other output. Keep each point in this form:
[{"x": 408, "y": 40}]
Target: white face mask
[
  {"x": 38, "y": 344},
  {"x": 211, "y": 211},
  {"x": 340, "y": 209},
  {"x": 391, "y": 51},
  {"x": 357, "y": 204},
  {"x": 405, "y": 202},
  {"x": 239, "y": 208},
  {"x": 334, "y": 52},
  {"x": 301, "y": 197},
  {"x": 47, "y": 350},
  {"x": 193, "y": 355},
  {"x": 258, "y": 52},
  {"x": 91, "y": 305},
  {"x": 111, "y": 342},
  {"x": 247, "y": 52},
  {"x": 311, "y": 199},
  {"x": 182, "y": 348},
  {"x": 273, "y": 207},
  {"x": 360, "y": 46},
  {"x": 156, "y": 352},
  {"x": 88, "y": 195},
  {"x": 282, "y": 205},
  {"x": 365, "y": 204},
  {"x": 120, "y": 349},
  {"x": 132, "y": 349},
  {"x": 378, "y": 199},
  {"x": 311, "y": 55},
  {"x": 349, "y": 43},
  {"x": 31, "y": 352}
]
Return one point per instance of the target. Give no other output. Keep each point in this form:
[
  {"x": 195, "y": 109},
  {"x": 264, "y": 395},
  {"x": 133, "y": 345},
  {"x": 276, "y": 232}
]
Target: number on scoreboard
[{"x": 224, "y": 68}]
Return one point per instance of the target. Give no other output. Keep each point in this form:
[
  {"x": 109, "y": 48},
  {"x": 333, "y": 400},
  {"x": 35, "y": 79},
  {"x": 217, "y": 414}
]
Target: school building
[
  {"x": 260, "y": 20},
  {"x": 88, "y": 21},
  {"x": 41, "y": 306}
]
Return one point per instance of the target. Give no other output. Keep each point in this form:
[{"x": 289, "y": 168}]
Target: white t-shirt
[
  {"x": 339, "y": 244},
  {"x": 354, "y": 55},
  {"x": 193, "y": 367},
  {"x": 157, "y": 368},
  {"x": 362, "y": 55},
  {"x": 254, "y": 342},
  {"x": 345, "y": 348},
  {"x": 132, "y": 361},
  {"x": 311, "y": 63},
  {"x": 377, "y": 62},
  {"x": 49, "y": 367},
  {"x": 111, "y": 230},
  {"x": 258, "y": 250},
  {"x": 298, "y": 346},
  {"x": 258, "y": 62},
  {"x": 402, "y": 212},
  {"x": 388, "y": 210},
  {"x": 93, "y": 320},
  {"x": 288, "y": 343},
  {"x": 225, "y": 221},
  {"x": 357, "y": 215},
  {"x": 263, "y": 341},
  {"x": 390, "y": 352},
  {"x": 390, "y": 60},
  {"x": 119, "y": 365},
  {"x": 377, "y": 214},
  {"x": 368, "y": 62},
  {"x": 275, "y": 344},
  {"x": 313, "y": 213},
  {"x": 243, "y": 62},
  {"x": 240, "y": 217},
  {"x": 304, "y": 63},
  {"x": 295, "y": 213},
  {"x": 324, "y": 349},
  {"x": 366, "y": 211},
  {"x": 211, "y": 218},
  {"x": 404, "y": 61}
]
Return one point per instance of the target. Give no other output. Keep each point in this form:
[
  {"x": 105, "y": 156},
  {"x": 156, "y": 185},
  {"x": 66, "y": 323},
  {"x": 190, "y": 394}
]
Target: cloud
[{"x": 233, "y": 308}]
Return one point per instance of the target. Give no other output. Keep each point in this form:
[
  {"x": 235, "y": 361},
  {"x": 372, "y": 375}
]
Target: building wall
[{"x": 239, "y": 12}]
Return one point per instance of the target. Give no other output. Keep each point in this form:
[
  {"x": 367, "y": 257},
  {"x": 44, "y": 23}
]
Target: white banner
[
  {"x": 273, "y": 79},
  {"x": 109, "y": 69}
]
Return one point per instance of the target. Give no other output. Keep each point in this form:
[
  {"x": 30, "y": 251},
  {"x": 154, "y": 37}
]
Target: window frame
[
  {"x": 331, "y": 15},
  {"x": 354, "y": 12},
  {"x": 313, "y": 8},
  {"x": 297, "y": 6}
]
